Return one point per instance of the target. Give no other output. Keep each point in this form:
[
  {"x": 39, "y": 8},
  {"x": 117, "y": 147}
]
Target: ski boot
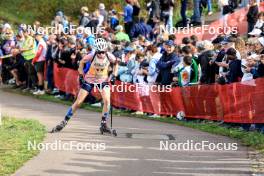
[
  {"x": 105, "y": 129},
  {"x": 59, "y": 127}
]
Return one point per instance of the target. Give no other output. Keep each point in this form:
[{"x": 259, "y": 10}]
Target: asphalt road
[{"x": 135, "y": 152}]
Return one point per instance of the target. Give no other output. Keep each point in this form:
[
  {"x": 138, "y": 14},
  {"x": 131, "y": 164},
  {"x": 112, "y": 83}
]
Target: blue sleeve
[
  {"x": 163, "y": 65},
  {"x": 126, "y": 12},
  {"x": 254, "y": 72},
  {"x": 152, "y": 68}
]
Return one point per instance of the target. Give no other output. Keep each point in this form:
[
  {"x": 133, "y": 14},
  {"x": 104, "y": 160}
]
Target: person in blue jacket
[{"x": 167, "y": 60}]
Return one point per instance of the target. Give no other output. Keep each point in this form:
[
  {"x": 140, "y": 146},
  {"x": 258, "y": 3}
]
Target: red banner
[{"x": 237, "y": 102}]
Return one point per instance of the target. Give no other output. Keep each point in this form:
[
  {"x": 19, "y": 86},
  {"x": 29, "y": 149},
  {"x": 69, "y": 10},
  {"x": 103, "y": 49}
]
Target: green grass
[
  {"x": 14, "y": 136},
  {"x": 250, "y": 139}
]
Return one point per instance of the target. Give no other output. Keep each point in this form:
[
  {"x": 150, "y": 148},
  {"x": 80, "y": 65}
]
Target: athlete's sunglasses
[{"x": 101, "y": 52}]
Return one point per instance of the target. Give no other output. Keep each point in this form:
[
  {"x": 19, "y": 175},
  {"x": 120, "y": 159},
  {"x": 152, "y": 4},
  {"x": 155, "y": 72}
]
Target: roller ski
[
  {"x": 104, "y": 129},
  {"x": 59, "y": 127}
]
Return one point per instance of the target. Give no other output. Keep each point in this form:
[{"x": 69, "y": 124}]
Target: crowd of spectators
[{"x": 145, "y": 55}]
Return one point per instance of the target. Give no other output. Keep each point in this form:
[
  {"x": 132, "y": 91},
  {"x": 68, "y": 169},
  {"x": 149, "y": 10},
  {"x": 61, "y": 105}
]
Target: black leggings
[{"x": 31, "y": 74}]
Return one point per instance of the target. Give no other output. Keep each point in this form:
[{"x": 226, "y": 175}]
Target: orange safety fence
[{"x": 238, "y": 102}]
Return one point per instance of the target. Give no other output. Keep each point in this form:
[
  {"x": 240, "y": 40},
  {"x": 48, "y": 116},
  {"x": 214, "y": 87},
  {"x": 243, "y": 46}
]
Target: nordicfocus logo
[
  {"x": 100, "y": 44},
  {"x": 58, "y": 145},
  {"x": 190, "y": 145}
]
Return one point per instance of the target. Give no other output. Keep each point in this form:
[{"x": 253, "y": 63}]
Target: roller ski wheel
[
  {"x": 114, "y": 133},
  {"x": 101, "y": 130}
]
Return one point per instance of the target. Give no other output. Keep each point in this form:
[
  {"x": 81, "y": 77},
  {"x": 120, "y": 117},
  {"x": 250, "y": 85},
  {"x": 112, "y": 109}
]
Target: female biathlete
[{"x": 96, "y": 77}]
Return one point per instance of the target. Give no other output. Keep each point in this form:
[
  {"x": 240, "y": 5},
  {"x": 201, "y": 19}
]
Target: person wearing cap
[
  {"x": 120, "y": 35},
  {"x": 84, "y": 17},
  {"x": 96, "y": 77},
  {"x": 125, "y": 72},
  {"x": 167, "y": 60},
  {"x": 39, "y": 61},
  {"x": 229, "y": 42},
  {"x": 234, "y": 73}
]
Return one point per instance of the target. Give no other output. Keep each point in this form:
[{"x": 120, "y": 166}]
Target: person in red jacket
[{"x": 38, "y": 62}]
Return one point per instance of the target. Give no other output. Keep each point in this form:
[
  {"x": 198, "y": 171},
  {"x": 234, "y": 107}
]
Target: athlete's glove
[
  {"x": 113, "y": 79},
  {"x": 81, "y": 79}
]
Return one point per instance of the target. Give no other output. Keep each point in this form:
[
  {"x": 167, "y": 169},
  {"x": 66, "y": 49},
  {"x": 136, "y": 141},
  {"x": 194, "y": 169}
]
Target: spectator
[
  {"x": 95, "y": 20},
  {"x": 38, "y": 62},
  {"x": 120, "y": 35},
  {"x": 128, "y": 16},
  {"x": 63, "y": 20},
  {"x": 209, "y": 5},
  {"x": 136, "y": 8},
  {"x": 7, "y": 46},
  {"x": 183, "y": 22},
  {"x": 229, "y": 42},
  {"x": 114, "y": 22},
  {"x": 51, "y": 44},
  {"x": 140, "y": 28},
  {"x": 252, "y": 15},
  {"x": 140, "y": 71},
  {"x": 17, "y": 68},
  {"x": 187, "y": 51},
  {"x": 28, "y": 52},
  {"x": 154, "y": 57},
  {"x": 260, "y": 23},
  {"x": 165, "y": 64},
  {"x": 103, "y": 12},
  {"x": 196, "y": 18},
  {"x": 125, "y": 72},
  {"x": 226, "y": 9},
  {"x": 206, "y": 60},
  {"x": 234, "y": 73},
  {"x": 259, "y": 46},
  {"x": 182, "y": 76},
  {"x": 165, "y": 11},
  {"x": 259, "y": 72},
  {"x": 154, "y": 12},
  {"x": 84, "y": 17},
  {"x": 170, "y": 22}
]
